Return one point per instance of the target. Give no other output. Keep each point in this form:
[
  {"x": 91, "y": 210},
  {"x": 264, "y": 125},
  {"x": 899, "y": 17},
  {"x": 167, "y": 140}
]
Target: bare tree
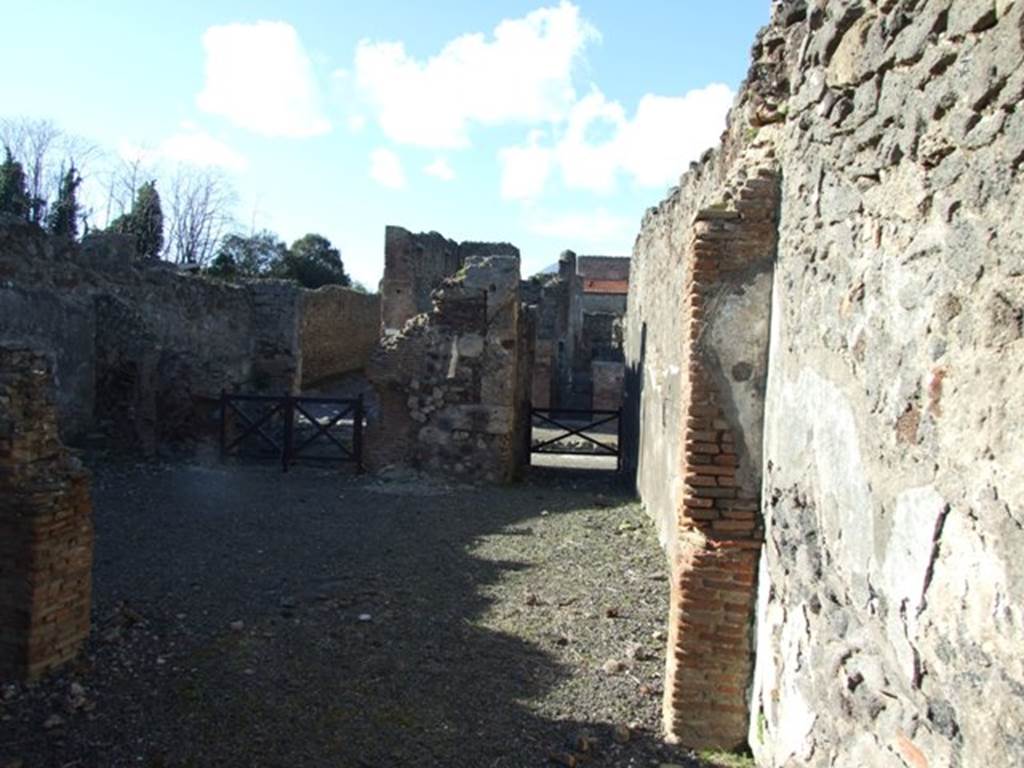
[
  {"x": 124, "y": 175},
  {"x": 199, "y": 205},
  {"x": 46, "y": 153}
]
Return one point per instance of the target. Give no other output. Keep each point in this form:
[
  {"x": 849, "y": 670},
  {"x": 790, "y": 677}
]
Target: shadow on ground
[{"x": 249, "y": 618}]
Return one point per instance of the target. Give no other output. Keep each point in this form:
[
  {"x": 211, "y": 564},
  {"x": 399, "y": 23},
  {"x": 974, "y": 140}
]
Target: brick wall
[
  {"x": 46, "y": 533},
  {"x": 708, "y": 664}
]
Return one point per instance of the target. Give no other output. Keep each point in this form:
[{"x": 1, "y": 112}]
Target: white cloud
[
  {"x": 653, "y": 147},
  {"x": 441, "y": 169},
  {"x": 523, "y": 74},
  {"x": 586, "y": 164},
  {"x": 356, "y": 123},
  {"x": 260, "y": 78},
  {"x": 200, "y": 148},
  {"x": 192, "y": 146},
  {"x": 598, "y": 226},
  {"x": 386, "y": 169},
  {"x": 524, "y": 170},
  {"x": 667, "y": 133}
]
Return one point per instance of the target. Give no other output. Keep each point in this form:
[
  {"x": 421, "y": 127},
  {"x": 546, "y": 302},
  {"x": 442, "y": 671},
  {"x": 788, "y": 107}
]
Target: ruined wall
[
  {"x": 575, "y": 328},
  {"x": 556, "y": 331},
  {"x": 340, "y": 329},
  {"x": 890, "y": 587},
  {"x": 536, "y": 293},
  {"x": 415, "y": 265},
  {"x": 141, "y": 351},
  {"x": 46, "y": 533},
  {"x": 568, "y": 327},
  {"x": 454, "y": 382}
]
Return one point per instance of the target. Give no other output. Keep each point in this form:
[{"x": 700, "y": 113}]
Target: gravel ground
[{"x": 247, "y": 618}]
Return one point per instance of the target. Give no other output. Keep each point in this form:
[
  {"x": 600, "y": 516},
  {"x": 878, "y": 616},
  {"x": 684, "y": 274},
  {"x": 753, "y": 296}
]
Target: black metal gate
[
  {"x": 594, "y": 428},
  {"x": 292, "y": 429}
]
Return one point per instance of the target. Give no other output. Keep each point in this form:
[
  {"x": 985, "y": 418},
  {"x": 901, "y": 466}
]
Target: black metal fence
[
  {"x": 580, "y": 432},
  {"x": 292, "y": 429}
]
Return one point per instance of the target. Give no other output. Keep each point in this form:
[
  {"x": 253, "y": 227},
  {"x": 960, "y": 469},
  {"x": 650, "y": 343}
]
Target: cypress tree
[
  {"x": 63, "y": 218},
  {"x": 149, "y": 221},
  {"x": 13, "y": 192}
]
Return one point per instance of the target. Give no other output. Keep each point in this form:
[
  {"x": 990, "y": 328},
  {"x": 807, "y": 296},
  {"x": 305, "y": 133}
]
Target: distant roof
[
  {"x": 619, "y": 287},
  {"x": 603, "y": 268}
]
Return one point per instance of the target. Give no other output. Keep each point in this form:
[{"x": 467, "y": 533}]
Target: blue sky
[{"x": 551, "y": 126}]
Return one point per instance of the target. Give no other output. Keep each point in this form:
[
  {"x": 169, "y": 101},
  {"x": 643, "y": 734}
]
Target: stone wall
[
  {"x": 415, "y": 265},
  {"x": 892, "y": 609},
  {"x": 890, "y": 588},
  {"x": 453, "y": 384},
  {"x": 340, "y": 330},
  {"x": 46, "y": 532},
  {"x": 557, "y": 325},
  {"x": 608, "y": 383},
  {"x": 142, "y": 351}
]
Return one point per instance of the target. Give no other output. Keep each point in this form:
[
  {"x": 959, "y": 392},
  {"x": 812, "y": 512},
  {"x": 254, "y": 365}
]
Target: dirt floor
[{"x": 243, "y": 617}]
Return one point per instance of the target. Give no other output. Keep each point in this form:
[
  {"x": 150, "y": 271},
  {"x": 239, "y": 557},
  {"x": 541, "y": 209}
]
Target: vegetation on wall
[
  {"x": 145, "y": 221},
  {"x": 311, "y": 260}
]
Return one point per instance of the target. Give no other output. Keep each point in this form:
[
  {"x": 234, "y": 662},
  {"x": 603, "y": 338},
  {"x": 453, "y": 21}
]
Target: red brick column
[
  {"x": 710, "y": 650},
  {"x": 46, "y": 533}
]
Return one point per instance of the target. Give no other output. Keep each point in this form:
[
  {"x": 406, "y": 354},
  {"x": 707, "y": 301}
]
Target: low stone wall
[
  {"x": 340, "y": 330},
  {"x": 453, "y": 384},
  {"x": 46, "y": 533}
]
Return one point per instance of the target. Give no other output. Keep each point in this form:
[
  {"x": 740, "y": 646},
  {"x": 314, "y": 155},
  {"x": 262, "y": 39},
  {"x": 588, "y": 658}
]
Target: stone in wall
[
  {"x": 453, "y": 384},
  {"x": 340, "y": 330},
  {"x": 46, "y": 533}
]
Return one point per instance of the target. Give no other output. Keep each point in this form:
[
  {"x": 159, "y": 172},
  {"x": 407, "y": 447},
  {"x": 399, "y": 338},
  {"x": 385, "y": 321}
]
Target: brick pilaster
[
  {"x": 710, "y": 650},
  {"x": 46, "y": 533}
]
